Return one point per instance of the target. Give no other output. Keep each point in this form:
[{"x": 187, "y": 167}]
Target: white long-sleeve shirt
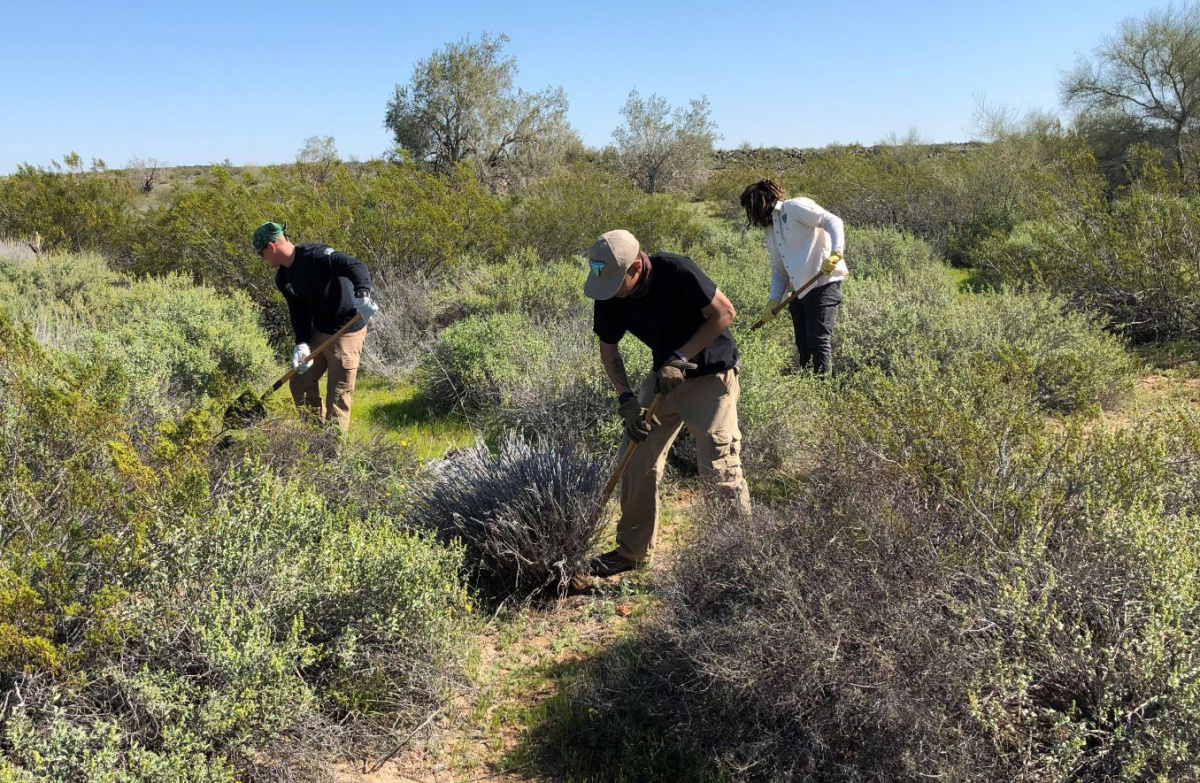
[{"x": 801, "y": 236}]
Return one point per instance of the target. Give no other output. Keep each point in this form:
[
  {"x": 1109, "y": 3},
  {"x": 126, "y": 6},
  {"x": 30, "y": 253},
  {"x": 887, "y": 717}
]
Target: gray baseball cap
[{"x": 608, "y": 260}]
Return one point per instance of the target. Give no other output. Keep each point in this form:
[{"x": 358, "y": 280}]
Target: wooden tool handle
[
  {"x": 287, "y": 376},
  {"x": 633, "y": 444},
  {"x": 779, "y": 307}
]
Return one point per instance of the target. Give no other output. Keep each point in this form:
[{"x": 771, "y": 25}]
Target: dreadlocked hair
[{"x": 759, "y": 201}]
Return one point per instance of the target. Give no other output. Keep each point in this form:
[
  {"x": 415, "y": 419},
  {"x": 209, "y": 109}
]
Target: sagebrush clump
[{"x": 528, "y": 515}]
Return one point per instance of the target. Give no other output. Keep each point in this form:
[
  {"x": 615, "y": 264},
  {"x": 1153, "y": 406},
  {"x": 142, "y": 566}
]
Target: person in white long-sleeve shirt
[{"x": 803, "y": 240}]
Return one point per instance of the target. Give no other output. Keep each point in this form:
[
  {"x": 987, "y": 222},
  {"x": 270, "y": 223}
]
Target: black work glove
[
  {"x": 671, "y": 375},
  {"x": 634, "y": 415}
]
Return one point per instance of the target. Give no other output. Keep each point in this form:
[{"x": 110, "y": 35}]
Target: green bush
[
  {"x": 181, "y": 343},
  {"x": 885, "y": 323},
  {"x": 177, "y": 344},
  {"x": 61, "y": 296},
  {"x": 780, "y": 415},
  {"x": 1132, "y": 260},
  {"x": 163, "y": 611},
  {"x": 506, "y": 372},
  {"x": 72, "y": 210},
  {"x": 561, "y": 216},
  {"x": 884, "y": 252},
  {"x": 544, "y": 291}
]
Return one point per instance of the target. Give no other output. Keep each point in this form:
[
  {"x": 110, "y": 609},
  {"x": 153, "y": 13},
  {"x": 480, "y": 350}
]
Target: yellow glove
[
  {"x": 769, "y": 314},
  {"x": 831, "y": 262}
]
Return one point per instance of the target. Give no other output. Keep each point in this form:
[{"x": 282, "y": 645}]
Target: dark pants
[{"x": 812, "y": 318}]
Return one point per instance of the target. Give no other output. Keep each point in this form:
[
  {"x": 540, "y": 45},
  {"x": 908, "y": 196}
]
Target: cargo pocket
[
  {"x": 726, "y": 450},
  {"x": 348, "y": 349}
]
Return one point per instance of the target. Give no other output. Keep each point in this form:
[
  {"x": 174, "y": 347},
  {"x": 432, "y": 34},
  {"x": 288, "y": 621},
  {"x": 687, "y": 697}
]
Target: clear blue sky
[{"x": 194, "y": 83}]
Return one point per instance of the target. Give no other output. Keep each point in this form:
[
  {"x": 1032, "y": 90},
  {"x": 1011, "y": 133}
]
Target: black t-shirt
[
  {"x": 319, "y": 288},
  {"x": 667, "y": 314}
]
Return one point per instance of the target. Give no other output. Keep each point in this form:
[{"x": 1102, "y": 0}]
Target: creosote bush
[
  {"x": 887, "y": 322},
  {"x": 528, "y": 515},
  {"x": 561, "y": 216},
  {"x": 1132, "y": 260}
]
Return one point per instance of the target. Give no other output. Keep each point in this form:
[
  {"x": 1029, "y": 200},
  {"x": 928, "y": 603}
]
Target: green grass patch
[{"x": 398, "y": 410}]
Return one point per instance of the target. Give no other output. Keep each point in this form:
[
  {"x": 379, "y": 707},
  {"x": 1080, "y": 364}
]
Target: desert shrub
[
  {"x": 1075, "y": 364},
  {"x": 506, "y": 372},
  {"x": 182, "y": 343},
  {"x": 72, "y": 210},
  {"x": 962, "y": 593},
  {"x": 1133, "y": 259},
  {"x": 403, "y": 329},
  {"x": 176, "y": 343},
  {"x": 1073, "y": 361},
  {"x": 270, "y": 631},
  {"x": 883, "y": 323},
  {"x": 528, "y": 515},
  {"x": 561, "y": 216},
  {"x": 876, "y": 251},
  {"x": 545, "y": 291},
  {"x": 56, "y": 748},
  {"x": 779, "y": 414},
  {"x": 61, "y": 296},
  {"x": 164, "y": 612},
  {"x": 15, "y": 250}
]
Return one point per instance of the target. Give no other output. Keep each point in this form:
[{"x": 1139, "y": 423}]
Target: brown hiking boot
[{"x": 611, "y": 564}]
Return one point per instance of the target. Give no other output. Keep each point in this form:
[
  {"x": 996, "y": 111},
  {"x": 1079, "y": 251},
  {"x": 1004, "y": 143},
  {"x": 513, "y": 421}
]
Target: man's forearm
[
  {"x": 706, "y": 335},
  {"x": 614, "y": 367}
]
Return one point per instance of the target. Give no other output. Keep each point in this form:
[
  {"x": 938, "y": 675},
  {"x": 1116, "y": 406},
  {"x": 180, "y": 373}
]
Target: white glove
[
  {"x": 299, "y": 355},
  {"x": 365, "y": 307}
]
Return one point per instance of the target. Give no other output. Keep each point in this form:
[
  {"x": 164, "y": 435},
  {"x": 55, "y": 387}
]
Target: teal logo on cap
[{"x": 597, "y": 267}]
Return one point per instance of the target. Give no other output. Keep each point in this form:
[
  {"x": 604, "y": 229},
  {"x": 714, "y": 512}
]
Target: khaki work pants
[
  {"x": 708, "y": 406},
  {"x": 341, "y": 360}
]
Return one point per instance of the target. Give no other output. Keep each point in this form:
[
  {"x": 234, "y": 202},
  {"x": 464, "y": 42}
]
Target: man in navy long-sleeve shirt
[{"x": 323, "y": 288}]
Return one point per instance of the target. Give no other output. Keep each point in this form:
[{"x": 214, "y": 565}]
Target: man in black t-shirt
[
  {"x": 665, "y": 301},
  {"x": 323, "y": 289}
]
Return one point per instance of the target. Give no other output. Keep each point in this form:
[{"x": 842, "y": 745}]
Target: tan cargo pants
[
  {"x": 708, "y": 406},
  {"x": 341, "y": 360}
]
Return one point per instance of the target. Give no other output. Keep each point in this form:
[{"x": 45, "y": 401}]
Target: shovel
[
  {"x": 777, "y": 309},
  {"x": 248, "y": 408}
]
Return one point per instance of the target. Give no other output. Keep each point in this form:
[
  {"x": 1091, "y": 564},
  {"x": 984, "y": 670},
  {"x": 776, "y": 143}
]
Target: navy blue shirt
[
  {"x": 320, "y": 287},
  {"x": 666, "y": 314}
]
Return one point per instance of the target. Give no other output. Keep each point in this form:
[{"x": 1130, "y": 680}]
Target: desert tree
[
  {"x": 144, "y": 172},
  {"x": 317, "y": 157},
  {"x": 1149, "y": 72},
  {"x": 661, "y": 148},
  {"x": 461, "y": 105}
]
